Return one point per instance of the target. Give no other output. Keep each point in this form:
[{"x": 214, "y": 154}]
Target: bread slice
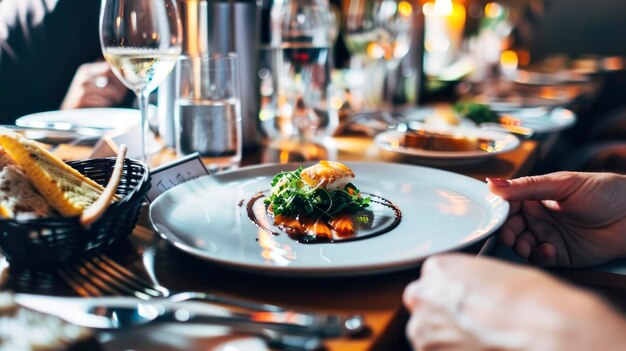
[
  {"x": 63, "y": 187},
  {"x": 5, "y": 159},
  {"x": 18, "y": 198}
]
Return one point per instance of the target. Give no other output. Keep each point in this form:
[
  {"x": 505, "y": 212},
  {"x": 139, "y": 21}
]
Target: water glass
[
  {"x": 301, "y": 41},
  {"x": 208, "y": 110}
]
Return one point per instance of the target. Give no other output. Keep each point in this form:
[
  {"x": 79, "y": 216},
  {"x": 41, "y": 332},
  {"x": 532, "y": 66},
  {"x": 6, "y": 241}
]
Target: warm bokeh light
[
  {"x": 405, "y": 9},
  {"x": 614, "y": 63},
  {"x": 493, "y": 10},
  {"x": 443, "y": 7},
  {"x": 508, "y": 64},
  {"x": 444, "y": 27},
  {"x": 266, "y": 115},
  {"x": 428, "y": 9},
  {"x": 284, "y": 156},
  {"x": 509, "y": 59},
  {"x": 336, "y": 102},
  {"x": 375, "y": 51}
]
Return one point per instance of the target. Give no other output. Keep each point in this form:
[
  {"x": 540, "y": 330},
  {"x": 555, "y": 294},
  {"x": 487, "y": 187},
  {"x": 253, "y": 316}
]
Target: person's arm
[
  {"x": 42, "y": 44},
  {"x": 565, "y": 218},
  {"x": 94, "y": 85},
  {"x": 468, "y": 303}
]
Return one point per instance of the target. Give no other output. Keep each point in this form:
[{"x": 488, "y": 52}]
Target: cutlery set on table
[{"x": 283, "y": 329}]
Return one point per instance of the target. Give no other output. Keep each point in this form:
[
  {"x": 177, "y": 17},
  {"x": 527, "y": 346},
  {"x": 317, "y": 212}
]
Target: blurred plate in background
[
  {"x": 447, "y": 145},
  {"x": 550, "y": 121},
  {"x": 95, "y": 119},
  {"x": 53, "y": 137},
  {"x": 550, "y": 78}
]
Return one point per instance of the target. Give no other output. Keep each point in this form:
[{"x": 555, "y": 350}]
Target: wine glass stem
[
  {"x": 390, "y": 86},
  {"x": 142, "y": 96}
]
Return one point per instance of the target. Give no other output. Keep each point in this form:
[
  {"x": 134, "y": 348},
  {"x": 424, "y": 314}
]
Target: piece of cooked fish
[{"x": 327, "y": 174}]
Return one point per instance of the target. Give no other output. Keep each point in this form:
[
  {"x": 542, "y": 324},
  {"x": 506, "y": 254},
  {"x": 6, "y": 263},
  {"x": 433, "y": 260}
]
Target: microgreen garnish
[{"x": 290, "y": 196}]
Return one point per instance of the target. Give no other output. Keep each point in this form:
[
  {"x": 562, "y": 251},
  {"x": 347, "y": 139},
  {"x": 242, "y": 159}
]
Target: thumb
[{"x": 554, "y": 186}]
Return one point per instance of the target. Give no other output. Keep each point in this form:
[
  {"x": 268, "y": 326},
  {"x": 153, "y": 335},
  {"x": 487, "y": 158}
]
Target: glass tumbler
[{"x": 208, "y": 110}]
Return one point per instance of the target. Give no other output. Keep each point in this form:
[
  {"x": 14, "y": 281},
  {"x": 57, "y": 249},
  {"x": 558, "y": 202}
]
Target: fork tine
[
  {"x": 82, "y": 287},
  {"x": 82, "y": 275},
  {"x": 100, "y": 275},
  {"x": 106, "y": 281},
  {"x": 115, "y": 269}
]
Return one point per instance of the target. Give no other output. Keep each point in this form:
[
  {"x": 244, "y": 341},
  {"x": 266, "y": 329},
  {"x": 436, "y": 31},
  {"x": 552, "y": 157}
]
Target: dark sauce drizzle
[{"x": 374, "y": 198}]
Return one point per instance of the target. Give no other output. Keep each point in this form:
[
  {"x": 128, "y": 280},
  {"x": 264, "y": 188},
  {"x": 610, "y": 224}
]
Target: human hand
[
  {"x": 467, "y": 303},
  {"x": 565, "y": 218},
  {"x": 94, "y": 85}
]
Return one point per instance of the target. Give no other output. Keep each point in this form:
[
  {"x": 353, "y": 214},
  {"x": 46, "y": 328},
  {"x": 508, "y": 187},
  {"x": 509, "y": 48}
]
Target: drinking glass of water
[
  {"x": 208, "y": 110},
  {"x": 141, "y": 40}
]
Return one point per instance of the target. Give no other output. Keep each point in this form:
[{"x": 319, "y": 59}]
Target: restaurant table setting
[
  {"x": 203, "y": 262},
  {"x": 463, "y": 206}
]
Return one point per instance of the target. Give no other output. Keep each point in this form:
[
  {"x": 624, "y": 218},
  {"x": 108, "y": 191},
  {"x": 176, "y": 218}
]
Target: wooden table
[{"x": 377, "y": 298}]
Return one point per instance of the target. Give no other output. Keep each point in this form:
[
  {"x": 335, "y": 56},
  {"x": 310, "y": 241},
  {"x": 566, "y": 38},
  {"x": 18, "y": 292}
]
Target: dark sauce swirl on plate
[{"x": 381, "y": 216}]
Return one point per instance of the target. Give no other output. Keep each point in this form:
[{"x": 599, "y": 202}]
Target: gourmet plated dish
[{"x": 318, "y": 203}]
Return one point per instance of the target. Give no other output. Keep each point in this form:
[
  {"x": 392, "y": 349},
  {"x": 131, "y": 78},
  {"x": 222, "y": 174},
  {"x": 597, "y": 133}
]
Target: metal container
[
  {"x": 219, "y": 27},
  {"x": 235, "y": 27}
]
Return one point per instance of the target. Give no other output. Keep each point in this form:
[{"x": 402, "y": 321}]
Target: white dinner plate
[
  {"x": 102, "y": 119},
  {"x": 501, "y": 142},
  {"x": 554, "y": 78},
  {"x": 553, "y": 120},
  {"x": 540, "y": 118},
  {"x": 208, "y": 217}
]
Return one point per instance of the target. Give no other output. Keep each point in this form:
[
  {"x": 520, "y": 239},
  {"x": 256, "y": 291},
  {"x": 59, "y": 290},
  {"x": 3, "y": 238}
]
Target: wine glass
[
  {"x": 359, "y": 34},
  {"x": 141, "y": 40},
  {"x": 300, "y": 40},
  {"x": 359, "y": 30},
  {"x": 393, "y": 21},
  {"x": 378, "y": 32}
]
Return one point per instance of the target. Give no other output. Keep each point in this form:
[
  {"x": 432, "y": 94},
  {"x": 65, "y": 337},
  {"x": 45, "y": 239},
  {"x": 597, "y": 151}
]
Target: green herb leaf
[
  {"x": 291, "y": 196},
  {"x": 478, "y": 113}
]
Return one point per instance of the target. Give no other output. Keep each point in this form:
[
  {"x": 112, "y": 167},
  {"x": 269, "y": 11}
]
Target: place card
[
  {"x": 175, "y": 173},
  {"x": 107, "y": 145}
]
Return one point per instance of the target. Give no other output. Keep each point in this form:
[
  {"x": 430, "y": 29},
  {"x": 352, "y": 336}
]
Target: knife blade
[{"x": 128, "y": 312}]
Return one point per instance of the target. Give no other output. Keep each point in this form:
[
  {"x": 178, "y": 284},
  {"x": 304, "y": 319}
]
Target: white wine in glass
[{"x": 141, "y": 40}]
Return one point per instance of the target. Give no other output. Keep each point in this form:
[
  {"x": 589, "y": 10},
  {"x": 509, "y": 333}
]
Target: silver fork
[{"x": 99, "y": 275}]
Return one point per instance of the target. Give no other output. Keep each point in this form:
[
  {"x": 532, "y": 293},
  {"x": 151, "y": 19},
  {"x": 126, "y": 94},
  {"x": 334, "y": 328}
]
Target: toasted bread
[
  {"x": 18, "y": 198},
  {"x": 63, "y": 187},
  {"x": 5, "y": 159},
  {"x": 96, "y": 209}
]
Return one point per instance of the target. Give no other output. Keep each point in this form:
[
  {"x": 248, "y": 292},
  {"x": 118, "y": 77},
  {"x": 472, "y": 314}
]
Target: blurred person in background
[
  {"x": 50, "y": 58},
  {"x": 564, "y": 219}
]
